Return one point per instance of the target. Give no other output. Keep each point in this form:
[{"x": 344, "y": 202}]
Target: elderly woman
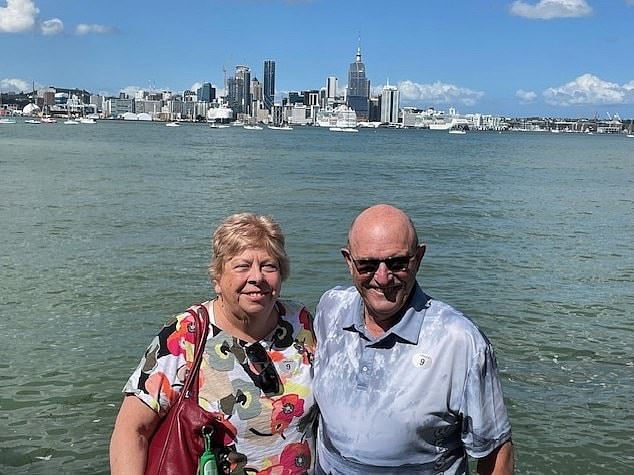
[{"x": 257, "y": 365}]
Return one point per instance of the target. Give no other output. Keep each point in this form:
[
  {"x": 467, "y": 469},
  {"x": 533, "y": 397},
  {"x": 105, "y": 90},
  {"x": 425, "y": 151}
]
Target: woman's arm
[
  {"x": 498, "y": 462},
  {"x": 134, "y": 426}
]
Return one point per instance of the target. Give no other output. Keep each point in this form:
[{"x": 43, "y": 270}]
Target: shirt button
[{"x": 364, "y": 369}]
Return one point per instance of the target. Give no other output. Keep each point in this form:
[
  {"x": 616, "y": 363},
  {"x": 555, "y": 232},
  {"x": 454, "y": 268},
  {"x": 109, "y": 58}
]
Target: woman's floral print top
[{"x": 255, "y": 433}]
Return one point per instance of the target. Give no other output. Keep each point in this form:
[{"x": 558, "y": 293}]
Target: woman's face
[{"x": 249, "y": 284}]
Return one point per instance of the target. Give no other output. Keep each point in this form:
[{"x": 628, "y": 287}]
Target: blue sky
[{"x": 516, "y": 58}]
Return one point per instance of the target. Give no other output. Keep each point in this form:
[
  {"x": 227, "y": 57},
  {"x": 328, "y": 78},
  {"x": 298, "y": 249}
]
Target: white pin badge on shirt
[{"x": 421, "y": 360}]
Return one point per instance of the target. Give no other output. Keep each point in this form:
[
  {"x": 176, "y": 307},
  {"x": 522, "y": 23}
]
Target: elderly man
[{"x": 405, "y": 383}]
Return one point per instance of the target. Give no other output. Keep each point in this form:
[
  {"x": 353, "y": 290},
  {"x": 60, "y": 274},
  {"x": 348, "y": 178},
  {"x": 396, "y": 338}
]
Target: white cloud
[
  {"x": 525, "y": 96},
  {"x": 15, "y": 85},
  {"x": 589, "y": 89},
  {"x": 437, "y": 93},
  {"x": 630, "y": 2},
  {"x": 197, "y": 85},
  {"x": 18, "y": 16},
  {"x": 549, "y": 9},
  {"x": 51, "y": 27},
  {"x": 84, "y": 29},
  {"x": 131, "y": 90}
]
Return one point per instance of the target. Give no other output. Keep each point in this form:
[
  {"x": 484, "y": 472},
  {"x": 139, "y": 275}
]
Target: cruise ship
[{"x": 341, "y": 116}]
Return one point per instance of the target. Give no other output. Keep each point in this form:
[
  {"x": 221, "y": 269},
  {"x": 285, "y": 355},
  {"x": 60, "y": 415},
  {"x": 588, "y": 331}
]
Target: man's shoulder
[
  {"x": 338, "y": 295},
  {"x": 454, "y": 322}
]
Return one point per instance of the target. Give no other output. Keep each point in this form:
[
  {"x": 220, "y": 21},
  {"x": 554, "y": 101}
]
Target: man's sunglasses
[
  {"x": 266, "y": 377},
  {"x": 370, "y": 266}
]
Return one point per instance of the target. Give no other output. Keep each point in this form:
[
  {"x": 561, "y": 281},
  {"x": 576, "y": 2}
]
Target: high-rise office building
[
  {"x": 206, "y": 93},
  {"x": 358, "y": 91},
  {"x": 390, "y": 104},
  {"x": 239, "y": 90},
  {"x": 256, "y": 90},
  {"x": 331, "y": 88},
  {"x": 269, "y": 83}
]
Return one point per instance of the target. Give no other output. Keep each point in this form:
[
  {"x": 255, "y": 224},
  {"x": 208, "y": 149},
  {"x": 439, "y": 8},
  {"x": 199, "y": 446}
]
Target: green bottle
[{"x": 207, "y": 462}]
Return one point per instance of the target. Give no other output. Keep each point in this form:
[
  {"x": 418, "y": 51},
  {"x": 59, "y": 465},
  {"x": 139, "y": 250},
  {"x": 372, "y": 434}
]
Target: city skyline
[{"x": 512, "y": 58}]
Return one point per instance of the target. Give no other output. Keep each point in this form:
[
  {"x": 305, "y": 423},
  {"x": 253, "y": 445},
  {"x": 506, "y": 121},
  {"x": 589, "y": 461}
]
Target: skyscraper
[
  {"x": 269, "y": 83},
  {"x": 358, "y": 91},
  {"x": 206, "y": 93},
  {"x": 390, "y": 99},
  {"x": 331, "y": 88},
  {"x": 239, "y": 91}
]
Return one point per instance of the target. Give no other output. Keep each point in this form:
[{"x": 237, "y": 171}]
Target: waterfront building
[
  {"x": 153, "y": 108},
  {"x": 98, "y": 101},
  {"x": 81, "y": 94},
  {"x": 269, "y": 84},
  {"x": 390, "y": 104},
  {"x": 239, "y": 91},
  {"x": 374, "y": 109},
  {"x": 118, "y": 106},
  {"x": 298, "y": 114},
  {"x": 48, "y": 96},
  {"x": 358, "y": 91}
]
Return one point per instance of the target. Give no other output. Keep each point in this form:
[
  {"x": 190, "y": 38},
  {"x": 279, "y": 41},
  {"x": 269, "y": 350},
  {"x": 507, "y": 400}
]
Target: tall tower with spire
[{"x": 358, "y": 91}]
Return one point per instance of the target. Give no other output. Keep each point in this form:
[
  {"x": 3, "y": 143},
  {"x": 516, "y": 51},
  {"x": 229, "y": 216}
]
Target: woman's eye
[{"x": 269, "y": 268}]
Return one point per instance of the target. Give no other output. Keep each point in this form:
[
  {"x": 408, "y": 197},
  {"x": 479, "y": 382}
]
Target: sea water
[{"x": 105, "y": 232}]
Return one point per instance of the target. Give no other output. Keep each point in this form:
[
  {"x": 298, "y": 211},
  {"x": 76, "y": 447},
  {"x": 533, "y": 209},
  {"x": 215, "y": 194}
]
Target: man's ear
[
  {"x": 348, "y": 258},
  {"x": 420, "y": 252}
]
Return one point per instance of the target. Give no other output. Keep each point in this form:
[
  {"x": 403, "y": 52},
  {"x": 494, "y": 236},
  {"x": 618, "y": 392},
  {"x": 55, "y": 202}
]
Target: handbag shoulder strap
[{"x": 190, "y": 388}]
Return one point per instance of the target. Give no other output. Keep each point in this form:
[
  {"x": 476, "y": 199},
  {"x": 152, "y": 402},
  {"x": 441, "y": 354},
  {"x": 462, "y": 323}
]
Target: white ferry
[
  {"x": 448, "y": 124},
  {"x": 219, "y": 113}
]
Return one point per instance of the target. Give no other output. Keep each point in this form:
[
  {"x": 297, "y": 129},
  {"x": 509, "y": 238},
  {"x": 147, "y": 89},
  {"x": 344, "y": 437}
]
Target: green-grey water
[{"x": 105, "y": 229}]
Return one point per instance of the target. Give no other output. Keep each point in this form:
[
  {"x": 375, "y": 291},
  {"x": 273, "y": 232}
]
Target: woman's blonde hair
[{"x": 247, "y": 231}]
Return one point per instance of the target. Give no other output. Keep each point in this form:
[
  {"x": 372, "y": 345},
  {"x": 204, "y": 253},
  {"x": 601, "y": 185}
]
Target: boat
[
  {"x": 280, "y": 127},
  {"x": 457, "y": 131},
  {"x": 448, "y": 124},
  {"x": 252, "y": 127},
  {"x": 4, "y": 120},
  {"x": 87, "y": 120},
  {"x": 172, "y": 124},
  {"x": 629, "y": 133},
  {"x": 219, "y": 113},
  {"x": 213, "y": 125},
  {"x": 71, "y": 122},
  {"x": 343, "y": 129},
  {"x": 32, "y": 121},
  {"x": 48, "y": 120}
]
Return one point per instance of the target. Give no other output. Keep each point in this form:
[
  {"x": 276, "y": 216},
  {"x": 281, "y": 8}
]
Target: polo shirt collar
[{"x": 407, "y": 329}]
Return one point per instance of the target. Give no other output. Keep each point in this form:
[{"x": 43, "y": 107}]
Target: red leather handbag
[{"x": 178, "y": 442}]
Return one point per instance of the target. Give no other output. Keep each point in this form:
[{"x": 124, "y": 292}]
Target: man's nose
[{"x": 382, "y": 274}]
